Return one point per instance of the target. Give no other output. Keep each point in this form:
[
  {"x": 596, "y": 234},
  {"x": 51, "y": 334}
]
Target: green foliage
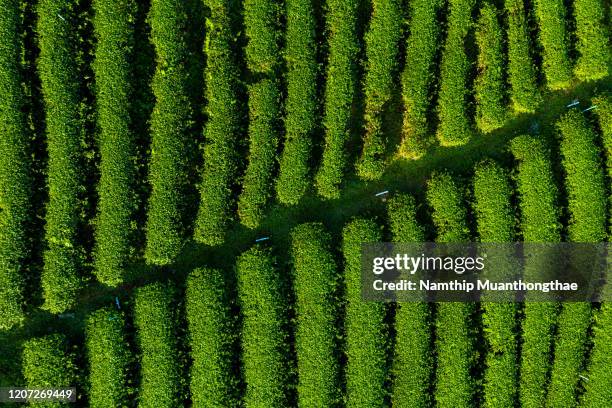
[
  {"x": 412, "y": 361},
  {"x": 554, "y": 40},
  {"x": 256, "y": 186},
  {"x": 15, "y": 177},
  {"x": 382, "y": 51},
  {"x": 343, "y": 48},
  {"x": 604, "y": 116},
  {"x": 108, "y": 358},
  {"x": 584, "y": 179},
  {"x": 263, "y": 336},
  {"x": 524, "y": 92},
  {"x": 593, "y": 40},
  {"x": 46, "y": 363},
  {"x": 494, "y": 212},
  {"x": 261, "y": 20},
  {"x": 454, "y": 128},
  {"x": 58, "y": 72},
  {"x": 366, "y": 331},
  {"x": 170, "y": 121},
  {"x": 222, "y": 127},
  {"x": 449, "y": 214},
  {"x": 155, "y": 322},
  {"x": 489, "y": 86},
  {"x": 211, "y": 338},
  {"x": 598, "y": 390},
  {"x": 315, "y": 282},
  {"x": 301, "y": 103},
  {"x": 113, "y": 23},
  {"x": 418, "y": 76}
]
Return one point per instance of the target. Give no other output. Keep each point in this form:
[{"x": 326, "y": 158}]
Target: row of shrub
[
  {"x": 343, "y": 48},
  {"x": 212, "y": 339},
  {"x": 301, "y": 102},
  {"x": 454, "y": 126},
  {"x": 263, "y": 334},
  {"x": 413, "y": 364},
  {"x": 418, "y": 75},
  {"x": 455, "y": 354},
  {"x": 15, "y": 167},
  {"x": 57, "y": 67},
  {"x": 315, "y": 281},
  {"x": 366, "y": 331},
  {"x": 553, "y": 35},
  {"x": 489, "y": 85},
  {"x": 170, "y": 122},
  {"x": 382, "y": 51},
  {"x": 604, "y": 120},
  {"x": 598, "y": 389},
  {"x": 261, "y": 22},
  {"x": 113, "y": 24},
  {"x": 108, "y": 358},
  {"x": 524, "y": 93},
  {"x": 264, "y": 101},
  {"x": 495, "y": 223},
  {"x": 156, "y": 328},
  {"x": 222, "y": 127},
  {"x": 593, "y": 35}
]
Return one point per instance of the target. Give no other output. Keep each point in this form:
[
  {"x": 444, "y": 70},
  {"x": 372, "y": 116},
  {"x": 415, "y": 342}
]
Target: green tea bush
[
  {"x": 418, "y": 76},
  {"x": 343, "y": 48},
  {"x": 59, "y": 78},
  {"x": 366, "y": 331},
  {"x": 46, "y": 363},
  {"x": 382, "y": 52},
  {"x": 108, "y": 357},
  {"x": 222, "y": 127},
  {"x": 261, "y": 21},
  {"x": 256, "y": 186},
  {"x": 489, "y": 86},
  {"x": 301, "y": 103},
  {"x": 494, "y": 213},
  {"x": 604, "y": 118},
  {"x": 15, "y": 167},
  {"x": 155, "y": 322},
  {"x": 454, "y": 344},
  {"x": 598, "y": 389},
  {"x": 315, "y": 283},
  {"x": 211, "y": 338},
  {"x": 113, "y": 25},
  {"x": 454, "y": 128},
  {"x": 170, "y": 121},
  {"x": 593, "y": 36},
  {"x": 524, "y": 93},
  {"x": 263, "y": 336},
  {"x": 554, "y": 40},
  {"x": 412, "y": 366}
]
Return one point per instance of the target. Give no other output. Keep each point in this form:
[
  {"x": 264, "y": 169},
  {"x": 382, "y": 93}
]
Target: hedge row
[
  {"x": 58, "y": 72},
  {"x": 454, "y": 128},
  {"x": 366, "y": 331},
  {"x": 316, "y": 284},
  {"x": 554, "y": 40},
  {"x": 15, "y": 177},
  {"x": 495, "y": 223},
  {"x": 155, "y": 322},
  {"x": 212, "y": 339},
  {"x": 598, "y": 389},
  {"x": 108, "y": 358},
  {"x": 264, "y": 100},
  {"x": 593, "y": 34},
  {"x": 222, "y": 127},
  {"x": 454, "y": 346},
  {"x": 418, "y": 75},
  {"x": 524, "y": 92},
  {"x": 47, "y": 363},
  {"x": 170, "y": 120},
  {"x": 113, "y": 24},
  {"x": 343, "y": 48},
  {"x": 382, "y": 51},
  {"x": 261, "y": 21},
  {"x": 489, "y": 85},
  {"x": 301, "y": 102},
  {"x": 263, "y": 336},
  {"x": 412, "y": 367},
  {"x": 604, "y": 117},
  {"x": 539, "y": 219}
]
